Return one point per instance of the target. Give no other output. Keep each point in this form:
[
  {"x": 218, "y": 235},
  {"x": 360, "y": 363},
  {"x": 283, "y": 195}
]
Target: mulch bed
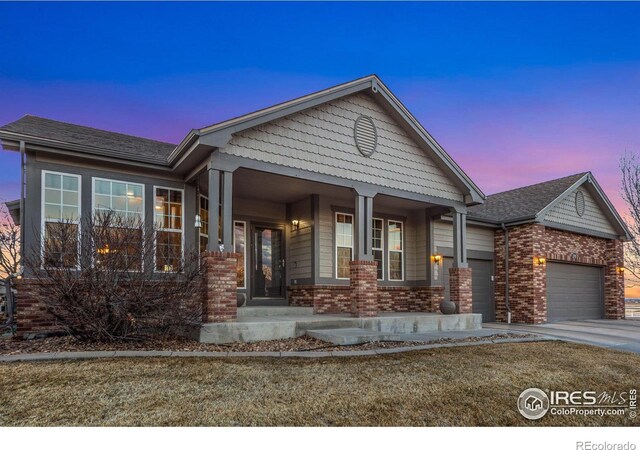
[{"x": 12, "y": 346}]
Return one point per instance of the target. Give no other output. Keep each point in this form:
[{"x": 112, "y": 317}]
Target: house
[{"x": 334, "y": 196}]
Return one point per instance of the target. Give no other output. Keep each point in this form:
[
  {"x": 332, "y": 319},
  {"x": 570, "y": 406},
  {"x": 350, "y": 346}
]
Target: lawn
[{"x": 451, "y": 386}]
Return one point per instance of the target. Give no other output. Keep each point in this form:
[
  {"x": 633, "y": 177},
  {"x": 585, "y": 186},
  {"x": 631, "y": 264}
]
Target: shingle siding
[
  {"x": 321, "y": 140},
  {"x": 593, "y": 219}
]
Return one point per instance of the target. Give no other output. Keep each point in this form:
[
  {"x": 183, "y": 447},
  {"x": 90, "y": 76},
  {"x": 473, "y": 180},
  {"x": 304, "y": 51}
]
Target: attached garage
[
  {"x": 574, "y": 292},
  {"x": 481, "y": 286}
]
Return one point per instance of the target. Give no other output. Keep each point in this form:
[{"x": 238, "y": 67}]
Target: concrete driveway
[{"x": 614, "y": 334}]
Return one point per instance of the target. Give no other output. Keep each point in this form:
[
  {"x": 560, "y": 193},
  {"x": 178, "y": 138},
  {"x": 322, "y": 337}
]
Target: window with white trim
[
  {"x": 121, "y": 244},
  {"x": 395, "y": 241},
  {"x": 60, "y": 219},
  {"x": 239, "y": 246},
  {"x": 168, "y": 219},
  {"x": 377, "y": 245},
  {"x": 204, "y": 223},
  {"x": 344, "y": 244}
]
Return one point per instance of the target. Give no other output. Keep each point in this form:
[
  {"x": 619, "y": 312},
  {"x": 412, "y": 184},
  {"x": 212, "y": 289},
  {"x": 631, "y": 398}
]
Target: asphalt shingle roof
[
  {"x": 524, "y": 202},
  {"x": 95, "y": 141}
]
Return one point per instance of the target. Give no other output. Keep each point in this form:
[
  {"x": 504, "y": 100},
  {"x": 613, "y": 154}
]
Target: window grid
[
  {"x": 344, "y": 244},
  {"x": 377, "y": 245},
  {"x": 204, "y": 222},
  {"x": 395, "y": 239},
  {"x": 122, "y": 197},
  {"x": 169, "y": 221},
  {"x": 240, "y": 247}
]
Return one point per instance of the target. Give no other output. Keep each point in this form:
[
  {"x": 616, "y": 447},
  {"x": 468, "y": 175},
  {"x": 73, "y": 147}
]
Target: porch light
[
  {"x": 620, "y": 269},
  {"x": 198, "y": 221},
  {"x": 541, "y": 260},
  {"x": 295, "y": 223},
  {"x": 436, "y": 258}
]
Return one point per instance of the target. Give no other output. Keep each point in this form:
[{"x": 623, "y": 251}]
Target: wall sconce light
[
  {"x": 198, "y": 221},
  {"x": 620, "y": 270},
  {"x": 295, "y": 223},
  {"x": 541, "y": 260},
  {"x": 436, "y": 258}
]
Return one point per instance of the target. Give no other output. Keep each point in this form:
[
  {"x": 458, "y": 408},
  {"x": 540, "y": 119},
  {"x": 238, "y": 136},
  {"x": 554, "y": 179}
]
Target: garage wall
[{"x": 478, "y": 238}]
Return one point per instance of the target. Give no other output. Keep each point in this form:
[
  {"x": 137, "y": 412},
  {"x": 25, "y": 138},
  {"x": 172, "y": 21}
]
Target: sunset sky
[{"x": 517, "y": 93}]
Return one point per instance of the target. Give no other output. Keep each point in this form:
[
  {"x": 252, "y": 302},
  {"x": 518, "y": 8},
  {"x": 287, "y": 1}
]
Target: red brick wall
[
  {"x": 460, "y": 291},
  {"x": 364, "y": 288},
  {"x": 220, "y": 288},
  {"x": 31, "y": 314},
  {"x": 527, "y": 279}
]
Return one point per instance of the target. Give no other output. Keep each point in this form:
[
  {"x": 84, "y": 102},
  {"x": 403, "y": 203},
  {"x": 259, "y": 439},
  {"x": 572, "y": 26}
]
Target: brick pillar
[
  {"x": 436, "y": 294},
  {"x": 460, "y": 288},
  {"x": 220, "y": 300},
  {"x": 364, "y": 288},
  {"x": 614, "y": 281}
]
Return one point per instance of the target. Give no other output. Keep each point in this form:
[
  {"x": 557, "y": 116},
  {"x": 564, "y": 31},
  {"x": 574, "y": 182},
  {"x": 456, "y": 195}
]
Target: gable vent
[
  {"x": 365, "y": 135},
  {"x": 580, "y": 203}
]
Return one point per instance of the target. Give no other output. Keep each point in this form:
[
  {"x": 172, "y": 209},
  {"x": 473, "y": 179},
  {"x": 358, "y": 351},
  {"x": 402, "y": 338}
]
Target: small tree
[
  {"x": 10, "y": 262},
  {"x": 113, "y": 278},
  {"x": 630, "y": 168}
]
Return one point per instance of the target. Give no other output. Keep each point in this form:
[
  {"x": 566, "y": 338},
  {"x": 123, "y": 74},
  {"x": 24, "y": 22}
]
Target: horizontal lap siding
[
  {"x": 478, "y": 238},
  {"x": 301, "y": 242},
  {"x": 593, "y": 218},
  {"x": 320, "y": 140},
  {"x": 326, "y": 239}
]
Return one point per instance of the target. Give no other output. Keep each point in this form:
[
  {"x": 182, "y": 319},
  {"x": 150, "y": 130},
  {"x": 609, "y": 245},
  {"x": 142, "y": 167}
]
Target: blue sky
[{"x": 516, "y": 92}]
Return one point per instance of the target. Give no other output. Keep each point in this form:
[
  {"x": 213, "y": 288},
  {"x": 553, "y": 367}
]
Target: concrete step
[
  {"x": 268, "y": 311},
  {"x": 350, "y": 336}
]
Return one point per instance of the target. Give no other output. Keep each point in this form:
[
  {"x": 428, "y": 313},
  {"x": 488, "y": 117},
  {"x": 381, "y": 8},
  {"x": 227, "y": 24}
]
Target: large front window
[
  {"x": 344, "y": 244},
  {"x": 395, "y": 239},
  {"x": 60, "y": 219},
  {"x": 168, "y": 218},
  {"x": 125, "y": 199}
]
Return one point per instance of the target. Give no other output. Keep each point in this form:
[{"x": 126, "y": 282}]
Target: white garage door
[{"x": 574, "y": 292}]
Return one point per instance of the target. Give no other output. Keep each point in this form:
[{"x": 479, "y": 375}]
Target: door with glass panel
[{"x": 268, "y": 264}]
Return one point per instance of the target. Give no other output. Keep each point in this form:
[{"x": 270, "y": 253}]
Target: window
[
  {"x": 126, "y": 199},
  {"x": 239, "y": 246},
  {"x": 204, "y": 223},
  {"x": 377, "y": 245},
  {"x": 168, "y": 218},
  {"x": 344, "y": 244},
  {"x": 395, "y": 239},
  {"x": 60, "y": 219}
]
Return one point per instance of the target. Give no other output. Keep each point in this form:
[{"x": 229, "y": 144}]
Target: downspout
[{"x": 506, "y": 271}]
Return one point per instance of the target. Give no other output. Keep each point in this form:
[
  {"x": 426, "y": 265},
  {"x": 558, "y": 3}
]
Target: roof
[
  {"x": 92, "y": 140},
  {"x": 218, "y": 135},
  {"x": 522, "y": 203},
  {"x": 13, "y": 207}
]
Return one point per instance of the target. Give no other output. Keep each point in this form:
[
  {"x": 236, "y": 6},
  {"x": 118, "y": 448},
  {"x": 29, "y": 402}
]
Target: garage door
[
  {"x": 574, "y": 292},
  {"x": 481, "y": 285}
]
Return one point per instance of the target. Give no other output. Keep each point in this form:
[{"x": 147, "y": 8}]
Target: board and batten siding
[
  {"x": 593, "y": 219},
  {"x": 478, "y": 238},
  {"x": 321, "y": 140},
  {"x": 300, "y": 246}
]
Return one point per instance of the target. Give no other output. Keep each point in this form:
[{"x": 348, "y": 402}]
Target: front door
[{"x": 268, "y": 263}]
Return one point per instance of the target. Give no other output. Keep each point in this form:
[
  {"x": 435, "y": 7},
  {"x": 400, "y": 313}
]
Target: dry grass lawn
[{"x": 452, "y": 386}]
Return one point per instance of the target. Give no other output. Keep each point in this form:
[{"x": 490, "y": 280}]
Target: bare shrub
[{"x": 99, "y": 279}]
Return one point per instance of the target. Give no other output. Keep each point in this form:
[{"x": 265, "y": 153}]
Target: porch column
[
  {"x": 460, "y": 289},
  {"x": 220, "y": 261},
  {"x": 363, "y": 273}
]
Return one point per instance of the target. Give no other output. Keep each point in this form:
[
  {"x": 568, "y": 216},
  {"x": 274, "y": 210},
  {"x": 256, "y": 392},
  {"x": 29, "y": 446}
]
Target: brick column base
[
  {"x": 220, "y": 287},
  {"x": 460, "y": 288},
  {"x": 364, "y": 288}
]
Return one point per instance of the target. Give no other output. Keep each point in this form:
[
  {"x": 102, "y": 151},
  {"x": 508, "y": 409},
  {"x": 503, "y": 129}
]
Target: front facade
[{"x": 338, "y": 200}]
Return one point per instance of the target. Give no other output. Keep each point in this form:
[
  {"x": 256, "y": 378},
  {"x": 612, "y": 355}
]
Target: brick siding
[
  {"x": 527, "y": 278},
  {"x": 364, "y": 288},
  {"x": 220, "y": 288},
  {"x": 460, "y": 289}
]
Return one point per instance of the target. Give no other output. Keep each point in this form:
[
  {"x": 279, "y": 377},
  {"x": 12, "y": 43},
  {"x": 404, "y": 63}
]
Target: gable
[
  {"x": 593, "y": 218},
  {"x": 321, "y": 139}
]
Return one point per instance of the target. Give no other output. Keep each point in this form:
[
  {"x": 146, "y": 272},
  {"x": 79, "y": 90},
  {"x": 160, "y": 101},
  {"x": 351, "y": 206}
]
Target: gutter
[{"x": 506, "y": 271}]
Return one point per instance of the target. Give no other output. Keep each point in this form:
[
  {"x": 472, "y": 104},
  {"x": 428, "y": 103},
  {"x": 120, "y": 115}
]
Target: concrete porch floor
[{"x": 264, "y": 323}]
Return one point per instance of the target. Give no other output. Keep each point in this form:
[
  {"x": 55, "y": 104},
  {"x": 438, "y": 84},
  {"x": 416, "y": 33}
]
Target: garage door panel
[
  {"x": 481, "y": 285},
  {"x": 574, "y": 292}
]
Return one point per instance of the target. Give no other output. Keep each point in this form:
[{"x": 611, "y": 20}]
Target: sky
[{"x": 516, "y": 93}]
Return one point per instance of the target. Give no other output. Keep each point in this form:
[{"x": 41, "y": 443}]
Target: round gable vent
[
  {"x": 365, "y": 135},
  {"x": 579, "y": 203}
]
